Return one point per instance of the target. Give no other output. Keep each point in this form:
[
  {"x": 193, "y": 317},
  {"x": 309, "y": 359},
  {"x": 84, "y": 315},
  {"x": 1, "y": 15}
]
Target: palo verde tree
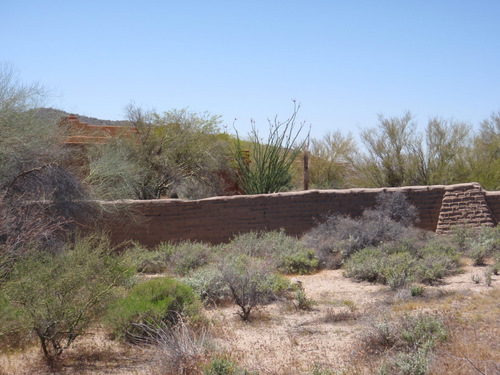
[
  {"x": 40, "y": 201},
  {"x": 484, "y": 155},
  {"x": 172, "y": 151},
  {"x": 330, "y": 166},
  {"x": 398, "y": 155},
  {"x": 269, "y": 169}
]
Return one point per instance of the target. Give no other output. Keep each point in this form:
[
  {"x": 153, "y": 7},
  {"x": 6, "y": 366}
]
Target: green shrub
[
  {"x": 147, "y": 261},
  {"x": 250, "y": 280},
  {"x": 416, "y": 290},
  {"x": 57, "y": 296},
  {"x": 188, "y": 256},
  {"x": 284, "y": 253},
  {"x": 304, "y": 262},
  {"x": 154, "y": 302},
  {"x": 207, "y": 282},
  {"x": 398, "y": 264},
  {"x": 410, "y": 337},
  {"x": 223, "y": 366}
]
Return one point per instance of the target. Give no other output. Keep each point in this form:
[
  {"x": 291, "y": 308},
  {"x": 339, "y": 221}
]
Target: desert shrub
[
  {"x": 208, "y": 283},
  {"x": 162, "y": 300},
  {"x": 284, "y": 253},
  {"x": 303, "y": 302},
  {"x": 176, "y": 349},
  {"x": 339, "y": 237},
  {"x": 301, "y": 262},
  {"x": 221, "y": 365},
  {"x": 147, "y": 261},
  {"x": 410, "y": 338},
  {"x": 250, "y": 280},
  {"x": 57, "y": 296},
  {"x": 397, "y": 265},
  {"x": 416, "y": 290},
  {"x": 188, "y": 256},
  {"x": 414, "y": 363},
  {"x": 365, "y": 265}
]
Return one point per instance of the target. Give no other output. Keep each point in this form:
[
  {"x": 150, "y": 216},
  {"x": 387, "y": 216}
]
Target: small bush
[
  {"x": 250, "y": 280},
  {"x": 303, "y": 302},
  {"x": 208, "y": 283},
  {"x": 410, "y": 337},
  {"x": 188, "y": 256},
  {"x": 389, "y": 221},
  {"x": 147, "y": 261},
  {"x": 57, "y": 296},
  {"x": 398, "y": 263},
  {"x": 152, "y": 303},
  {"x": 223, "y": 366},
  {"x": 284, "y": 253},
  {"x": 417, "y": 290},
  {"x": 304, "y": 262}
]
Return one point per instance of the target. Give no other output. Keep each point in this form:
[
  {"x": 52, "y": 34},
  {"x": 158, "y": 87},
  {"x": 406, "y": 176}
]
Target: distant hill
[{"x": 52, "y": 115}]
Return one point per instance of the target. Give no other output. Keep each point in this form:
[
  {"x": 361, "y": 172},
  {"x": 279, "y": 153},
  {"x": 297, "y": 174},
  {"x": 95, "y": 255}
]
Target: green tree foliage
[
  {"x": 330, "y": 166},
  {"x": 172, "y": 151},
  {"x": 484, "y": 156},
  {"x": 25, "y": 141},
  {"x": 269, "y": 169},
  {"x": 40, "y": 200},
  {"x": 397, "y": 154},
  {"x": 57, "y": 296}
]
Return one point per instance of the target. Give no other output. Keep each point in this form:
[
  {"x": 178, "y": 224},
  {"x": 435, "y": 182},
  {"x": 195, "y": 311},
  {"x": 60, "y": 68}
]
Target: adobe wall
[{"x": 218, "y": 219}]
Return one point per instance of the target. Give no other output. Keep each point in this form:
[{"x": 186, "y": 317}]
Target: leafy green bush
[
  {"x": 151, "y": 303},
  {"x": 57, "y": 296},
  {"x": 304, "y": 262}
]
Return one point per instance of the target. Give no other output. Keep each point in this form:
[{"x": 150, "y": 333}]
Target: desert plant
[
  {"x": 158, "y": 301},
  {"x": 147, "y": 261},
  {"x": 476, "y": 278},
  {"x": 166, "y": 152},
  {"x": 339, "y": 237},
  {"x": 208, "y": 283},
  {"x": 177, "y": 349},
  {"x": 250, "y": 281},
  {"x": 188, "y": 256},
  {"x": 303, "y": 302},
  {"x": 221, "y": 365},
  {"x": 416, "y": 290},
  {"x": 271, "y": 160},
  {"x": 284, "y": 253},
  {"x": 59, "y": 295}
]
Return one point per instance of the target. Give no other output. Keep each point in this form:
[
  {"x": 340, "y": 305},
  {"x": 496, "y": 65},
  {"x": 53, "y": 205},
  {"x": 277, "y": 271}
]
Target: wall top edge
[{"x": 470, "y": 185}]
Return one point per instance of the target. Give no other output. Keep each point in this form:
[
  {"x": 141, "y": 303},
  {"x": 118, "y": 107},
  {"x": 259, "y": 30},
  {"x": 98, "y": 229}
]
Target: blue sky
[{"x": 344, "y": 61}]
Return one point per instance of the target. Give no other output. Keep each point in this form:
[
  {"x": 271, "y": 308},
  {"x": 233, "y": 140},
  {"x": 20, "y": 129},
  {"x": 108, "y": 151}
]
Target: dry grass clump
[{"x": 473, "y": 346}]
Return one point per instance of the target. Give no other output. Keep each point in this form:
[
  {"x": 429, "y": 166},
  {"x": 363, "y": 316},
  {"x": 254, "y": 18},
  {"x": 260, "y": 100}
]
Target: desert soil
[{"x": 280, "y": 338}]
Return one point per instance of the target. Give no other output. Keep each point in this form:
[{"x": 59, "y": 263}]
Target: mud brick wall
[
  {"x": 218, "y": 219},
  {"x": 493, "y": 200},
  {"x": 464, "y": 205}
]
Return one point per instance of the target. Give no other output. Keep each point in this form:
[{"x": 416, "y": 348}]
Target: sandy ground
[
  {"x": 284, "y": 340},
  {"x": 280, "y": 339}
]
